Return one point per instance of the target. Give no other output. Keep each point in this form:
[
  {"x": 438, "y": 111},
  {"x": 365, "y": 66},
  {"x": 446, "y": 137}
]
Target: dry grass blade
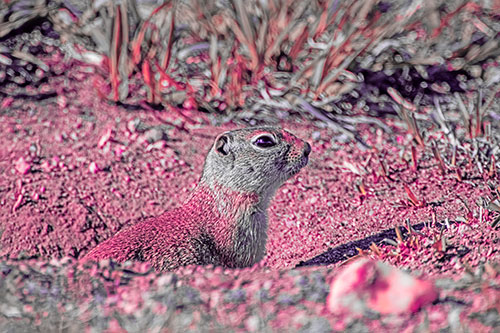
[
  {"x": 495, "y": 222},
  {"x": 464, "y": 112},
  {"x": 443, "y": 123},
  {"x": 396, "y": 96},
  {"x": 414, "y": 159},
  {"x": 493, "y": 169},
  {"x": 298, "y": 44},
  {"x": 245, "y": 32},
  {"x": 285, "y": 33},
  {"x": 245, "y": 21},
  {"x": 375, "y": 249},
  {"x": 411, "y": 124},
  {"x": 390, "y": 242},
  {"x": 123, "y": 60},
  {"x": 478, "y": 114},
  {"x": 413, "y": 198},
  {"x": 399, "y": 236},
  {"x": 136, "y": 44},
  {"x": 146, "y": 74},
  {"x": 438, "y": 157},
  {"x": 170, "y": 42},
  {"x": 115, "y": 52}
]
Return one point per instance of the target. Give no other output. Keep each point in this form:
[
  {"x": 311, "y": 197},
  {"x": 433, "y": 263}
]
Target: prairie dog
[{"x": 224, "y": 220}]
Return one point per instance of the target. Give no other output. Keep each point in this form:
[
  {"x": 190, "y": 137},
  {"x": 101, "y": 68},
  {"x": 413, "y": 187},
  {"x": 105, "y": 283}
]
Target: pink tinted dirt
[{"x": 75, "y": 173}]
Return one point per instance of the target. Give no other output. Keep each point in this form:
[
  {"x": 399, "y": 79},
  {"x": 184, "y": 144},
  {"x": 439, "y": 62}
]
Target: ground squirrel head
[{"x": 254, "y": 160}]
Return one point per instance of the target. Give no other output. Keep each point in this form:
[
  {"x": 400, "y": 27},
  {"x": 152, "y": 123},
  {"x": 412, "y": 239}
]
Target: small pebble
[
  {"x": 22, "y": 166},
  {"x": 94, "y": 168}
]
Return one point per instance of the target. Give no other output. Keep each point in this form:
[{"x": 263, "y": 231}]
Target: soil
[{"x": 76, "y": 169}]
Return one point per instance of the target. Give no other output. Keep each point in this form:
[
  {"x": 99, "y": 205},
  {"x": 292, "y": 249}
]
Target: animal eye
[{"x": 264, "y": 141}]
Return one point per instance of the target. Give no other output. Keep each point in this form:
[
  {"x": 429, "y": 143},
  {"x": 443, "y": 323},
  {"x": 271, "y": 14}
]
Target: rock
[
  {"x": 366, "y": 285},
  {"x": 94, "y": 168},
  {"x": 153, "y": 135},
  {"x": 22, "y": 166}
]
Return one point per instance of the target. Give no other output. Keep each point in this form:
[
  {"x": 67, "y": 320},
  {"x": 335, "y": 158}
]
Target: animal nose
[{"x": 307, "y": 149}]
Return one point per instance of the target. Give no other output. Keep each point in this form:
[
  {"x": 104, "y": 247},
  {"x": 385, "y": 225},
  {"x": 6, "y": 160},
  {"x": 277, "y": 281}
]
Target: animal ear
[{"x": 222, "y": 145}]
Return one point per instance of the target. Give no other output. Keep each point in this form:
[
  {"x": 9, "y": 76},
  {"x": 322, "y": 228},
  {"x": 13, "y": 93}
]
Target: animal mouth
[
  {"x": 294, "y": 165},
  {"x": 295, "y": 168},
  {"x": 303, "y": 162}
]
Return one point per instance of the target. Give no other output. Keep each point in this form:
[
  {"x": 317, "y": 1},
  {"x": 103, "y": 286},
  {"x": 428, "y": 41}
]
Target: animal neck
[
  {"x": 224, "y": 202},
  {"x": 238, "y": 224}
]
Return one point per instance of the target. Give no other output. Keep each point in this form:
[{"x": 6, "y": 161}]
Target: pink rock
[
  {"x": 373, "y": 285},
  {"x": 62, "y": 101},
  {"x": 119, "y": 150},
  {"x": 55, "y": 161},
  {"x": 94, "y": 168},
  {"x": 22, "y": 166},
  {"x": 46, "y": 166},
  {"x": 105, "y": 138},
  {"x": 7, "y": 102}
]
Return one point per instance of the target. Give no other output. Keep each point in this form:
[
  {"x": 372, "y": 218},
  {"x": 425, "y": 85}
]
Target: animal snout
[{"x": 307, "y": 149}]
